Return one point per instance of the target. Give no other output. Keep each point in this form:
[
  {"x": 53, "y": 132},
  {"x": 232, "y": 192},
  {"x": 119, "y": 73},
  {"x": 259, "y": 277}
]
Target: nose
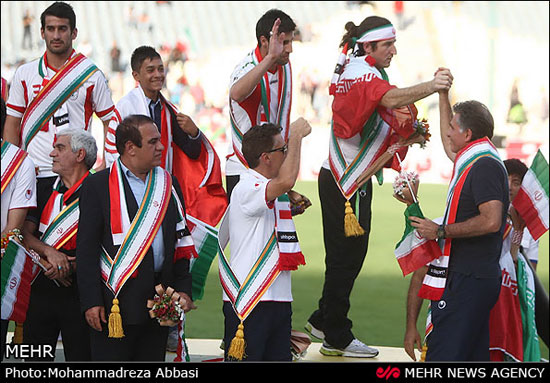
[
  {"x": 393, "y": 49},
  {"x": 288, "y": 47}
]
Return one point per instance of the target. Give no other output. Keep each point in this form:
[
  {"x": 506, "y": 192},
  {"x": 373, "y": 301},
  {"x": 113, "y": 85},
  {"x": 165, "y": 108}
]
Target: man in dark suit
[{"x": 140, "y": 149}]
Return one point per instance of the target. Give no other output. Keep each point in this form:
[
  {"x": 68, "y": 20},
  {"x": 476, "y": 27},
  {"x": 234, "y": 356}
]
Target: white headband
[{"x": 385, "y": 32}]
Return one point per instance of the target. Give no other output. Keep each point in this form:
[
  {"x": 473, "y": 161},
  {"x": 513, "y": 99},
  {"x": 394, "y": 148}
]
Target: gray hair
[{"x": 81, "y": 139}]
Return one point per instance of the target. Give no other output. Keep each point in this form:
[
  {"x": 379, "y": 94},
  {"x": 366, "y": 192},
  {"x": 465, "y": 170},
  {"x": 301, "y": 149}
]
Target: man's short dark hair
[
  {"x": 141, "y": 54},
  {"x": 258, "y": 140},
  {"x": 61, "y": 10},
  {"x": 265, "y": 23},
  {"x": 128, "y": 130},
  {"x": 515, "y": 167},
  {"x": 475, "y": 116}
]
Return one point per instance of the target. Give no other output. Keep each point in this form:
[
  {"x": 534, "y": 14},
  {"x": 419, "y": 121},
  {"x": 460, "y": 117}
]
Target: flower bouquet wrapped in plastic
[
  {"x": 402, "y": 186},
  {"x": 165, "y": 306}
]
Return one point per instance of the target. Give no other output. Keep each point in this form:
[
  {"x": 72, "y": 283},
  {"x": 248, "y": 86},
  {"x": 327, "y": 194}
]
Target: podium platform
[{"x": 208, "y": 350}]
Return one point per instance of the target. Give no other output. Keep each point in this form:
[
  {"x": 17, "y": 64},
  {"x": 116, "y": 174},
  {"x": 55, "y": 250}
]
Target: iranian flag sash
[
  {"x": 279, "y": 115},
  {"x": 137, "y": 236},
  {"x": 134, "y": 238},
  {"x": 12, "y": 158},
  {"x": 58, "y": 89},
  {"x": 436, "y": 277},
  {"x": 531, "y": 201},
  {"x": 244, "y": 296},
  {"x": 59, "y": 220},
  {"x": 414, "y": 251},
  {"x": 374, "y": 139}
]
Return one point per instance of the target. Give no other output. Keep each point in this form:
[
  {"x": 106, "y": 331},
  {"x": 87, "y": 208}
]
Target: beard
[{"x": 59, "y": 49}]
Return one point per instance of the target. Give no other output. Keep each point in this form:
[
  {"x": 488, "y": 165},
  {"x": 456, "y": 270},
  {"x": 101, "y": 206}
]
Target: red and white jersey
[
  {"x": 358, "y": 94},
  {"x": 92, "y": 97}
]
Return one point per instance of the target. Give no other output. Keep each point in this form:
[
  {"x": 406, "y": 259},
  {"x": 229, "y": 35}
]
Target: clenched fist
[{"x": 187, "y": 125}]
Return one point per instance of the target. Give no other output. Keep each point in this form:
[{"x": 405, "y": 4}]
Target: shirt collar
[{"x": 129, "y": 173}]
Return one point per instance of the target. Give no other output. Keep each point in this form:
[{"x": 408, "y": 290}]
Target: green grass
[{"x": 379, "y": 294}]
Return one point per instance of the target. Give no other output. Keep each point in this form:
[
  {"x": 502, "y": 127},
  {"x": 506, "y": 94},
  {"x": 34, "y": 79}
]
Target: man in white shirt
[
  {"x": 260, "y": 89},
  {"x": 254, "y": 223},
  {"x": 62, "y": 88}
]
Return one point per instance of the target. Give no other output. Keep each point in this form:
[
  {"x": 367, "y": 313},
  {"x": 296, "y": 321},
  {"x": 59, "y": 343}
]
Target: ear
[
  {"x": 74, "y": 33},
  {"x": 367, "y": 48},
  {"x": 129, "y": 148},
  {"x": 469, "y": 135},
  {"x": 135, "y": 75},
  {"x": 264, "y": 42},
  {"x": 42, "y": 33},
  {"x": 80, "y": 155}
]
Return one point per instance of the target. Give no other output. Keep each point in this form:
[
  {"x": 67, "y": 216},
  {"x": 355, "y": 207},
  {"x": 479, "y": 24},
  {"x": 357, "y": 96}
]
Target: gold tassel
[
  {"x": 236, "y": 349},
  {"x": 115, "y": 321},
  {"x": 423, "y": 354},
  {"x": 352, "y": 228},
  {"x": 18, "y": 333}
]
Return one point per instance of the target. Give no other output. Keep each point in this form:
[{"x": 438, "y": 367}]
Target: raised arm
[
  {"x": 288, "y": 173},
  {"x": 246, "y": 84},
  {"x": 445, "y": 117}
]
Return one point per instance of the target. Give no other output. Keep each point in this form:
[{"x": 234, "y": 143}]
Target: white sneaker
[
  {"x": 356, "y": 349},
  {"x": 312, "y": 331}
]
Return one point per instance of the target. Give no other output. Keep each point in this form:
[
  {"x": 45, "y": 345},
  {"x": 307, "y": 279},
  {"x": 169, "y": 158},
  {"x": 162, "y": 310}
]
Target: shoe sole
[
  {"x": 334, "y": 352},
  {"x": 317, "y": 334}
]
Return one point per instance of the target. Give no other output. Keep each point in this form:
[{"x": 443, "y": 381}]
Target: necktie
[{"x": 155, "y": 113}]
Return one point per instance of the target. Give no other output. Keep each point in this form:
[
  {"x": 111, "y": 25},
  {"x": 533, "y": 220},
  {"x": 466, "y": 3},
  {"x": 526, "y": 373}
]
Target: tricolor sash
[
  {"x": 436, "y": 277},
  {"x": 58, "y": 89},
  {"x": 371, "y": 144},
  {"x": 246, "y": 295},
  {"x": 281, "y": 252},
  {"x": 279, "y": 116},
  {"x": 12, "y": 158},
  {"x": 59, "y": 220},
  {"x": 135, "y": 238}
]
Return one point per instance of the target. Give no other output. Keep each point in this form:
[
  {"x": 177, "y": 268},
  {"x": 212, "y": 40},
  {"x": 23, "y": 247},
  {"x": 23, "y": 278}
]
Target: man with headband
[{"x": 364, "y": 133}]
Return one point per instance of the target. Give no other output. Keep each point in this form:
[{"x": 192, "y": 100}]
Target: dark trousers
[
  {"x": 143, "y": 342},
  {"x": 266, "y": 331},
  {"x": 53, "y": 310},
  {"x": 344, "y": 257},
  {"x": 230, "y": 182},
  {"x": 461, "y": 319}
]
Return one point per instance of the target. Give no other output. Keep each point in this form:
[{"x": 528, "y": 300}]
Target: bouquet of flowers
[
  {"x": 165, "y": 306},
  {"x": 402, "y": 184},
  {"x": 422, "y": 128}
]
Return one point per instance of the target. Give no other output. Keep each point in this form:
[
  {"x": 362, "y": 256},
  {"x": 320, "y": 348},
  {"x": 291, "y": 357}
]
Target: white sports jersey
[
  {"x": 250, "y": 111},
  {"x": 21, "y": 191},
  {"x": 94, "y": 96},
  {"x": 251, "y": 223}
]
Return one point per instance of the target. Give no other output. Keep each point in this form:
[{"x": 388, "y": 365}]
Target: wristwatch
[{"x": 441, "y": 231}]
